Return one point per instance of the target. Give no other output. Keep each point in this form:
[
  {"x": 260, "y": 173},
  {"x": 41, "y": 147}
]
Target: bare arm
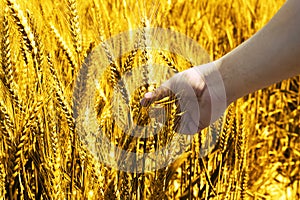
[{"x": 271, "y": 55}]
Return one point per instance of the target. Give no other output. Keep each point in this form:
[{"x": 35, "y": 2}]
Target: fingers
[
  {"x": 168, "y": 88},
  {"x": 156, "y": 95}
]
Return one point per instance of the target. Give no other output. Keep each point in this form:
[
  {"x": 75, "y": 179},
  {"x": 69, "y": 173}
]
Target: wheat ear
[
  {"x": 68, "y": 112},
  {"x": 39, "y": 45},
  {"x": 7, "y": 63},
  {"x": 67, "y": 51},
  {"x": 23, "y": 26},
  {"x": 242, "y": 148},
  {"x": 61, "y": 99},
  {"x": 168, "y": 61},
  {"x": 74, "y": 26},
  {"x": 56, "y": 160},
  {"x": 225, "y": 133},
  {"x": 2, "y": 176}
]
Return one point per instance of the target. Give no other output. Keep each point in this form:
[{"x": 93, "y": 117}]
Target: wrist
[
  {"x": 227, "y": 79},
  {"x": 215, "y": 89}
]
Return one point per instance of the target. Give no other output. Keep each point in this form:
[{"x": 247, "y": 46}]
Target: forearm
[{"x": 271, "y": 55}]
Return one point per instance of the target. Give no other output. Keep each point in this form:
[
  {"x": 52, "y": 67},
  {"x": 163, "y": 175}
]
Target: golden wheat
[{"x": 41, "y": 156}]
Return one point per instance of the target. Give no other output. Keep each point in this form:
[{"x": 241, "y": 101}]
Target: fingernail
[{"x": 148, "y": 95}]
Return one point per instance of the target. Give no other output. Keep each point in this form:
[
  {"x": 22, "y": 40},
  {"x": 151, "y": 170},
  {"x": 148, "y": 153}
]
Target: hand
[{"x": 201, "y": 94}]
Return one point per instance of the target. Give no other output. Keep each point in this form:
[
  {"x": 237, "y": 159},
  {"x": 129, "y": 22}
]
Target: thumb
[{"x": 156, "y": 95}]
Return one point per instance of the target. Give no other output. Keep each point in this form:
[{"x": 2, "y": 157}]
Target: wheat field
[{"x": 45, "y": 46}]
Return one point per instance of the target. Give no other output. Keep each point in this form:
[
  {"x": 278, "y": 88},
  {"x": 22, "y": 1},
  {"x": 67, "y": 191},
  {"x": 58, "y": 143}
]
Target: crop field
[{"x": 66, "y": 85}]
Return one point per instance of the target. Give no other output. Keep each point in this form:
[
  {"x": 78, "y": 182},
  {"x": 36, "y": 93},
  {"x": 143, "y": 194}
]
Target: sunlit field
[{"x": 47, "y": 45}]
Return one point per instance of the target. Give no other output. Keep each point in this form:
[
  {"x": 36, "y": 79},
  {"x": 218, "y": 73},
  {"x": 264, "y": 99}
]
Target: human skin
[{"x": 269, "y": 56}]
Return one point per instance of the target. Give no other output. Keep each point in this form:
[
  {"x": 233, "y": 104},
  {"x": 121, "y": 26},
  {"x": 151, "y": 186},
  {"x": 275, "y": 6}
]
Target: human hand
[{"x": 201, "y": 95}]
